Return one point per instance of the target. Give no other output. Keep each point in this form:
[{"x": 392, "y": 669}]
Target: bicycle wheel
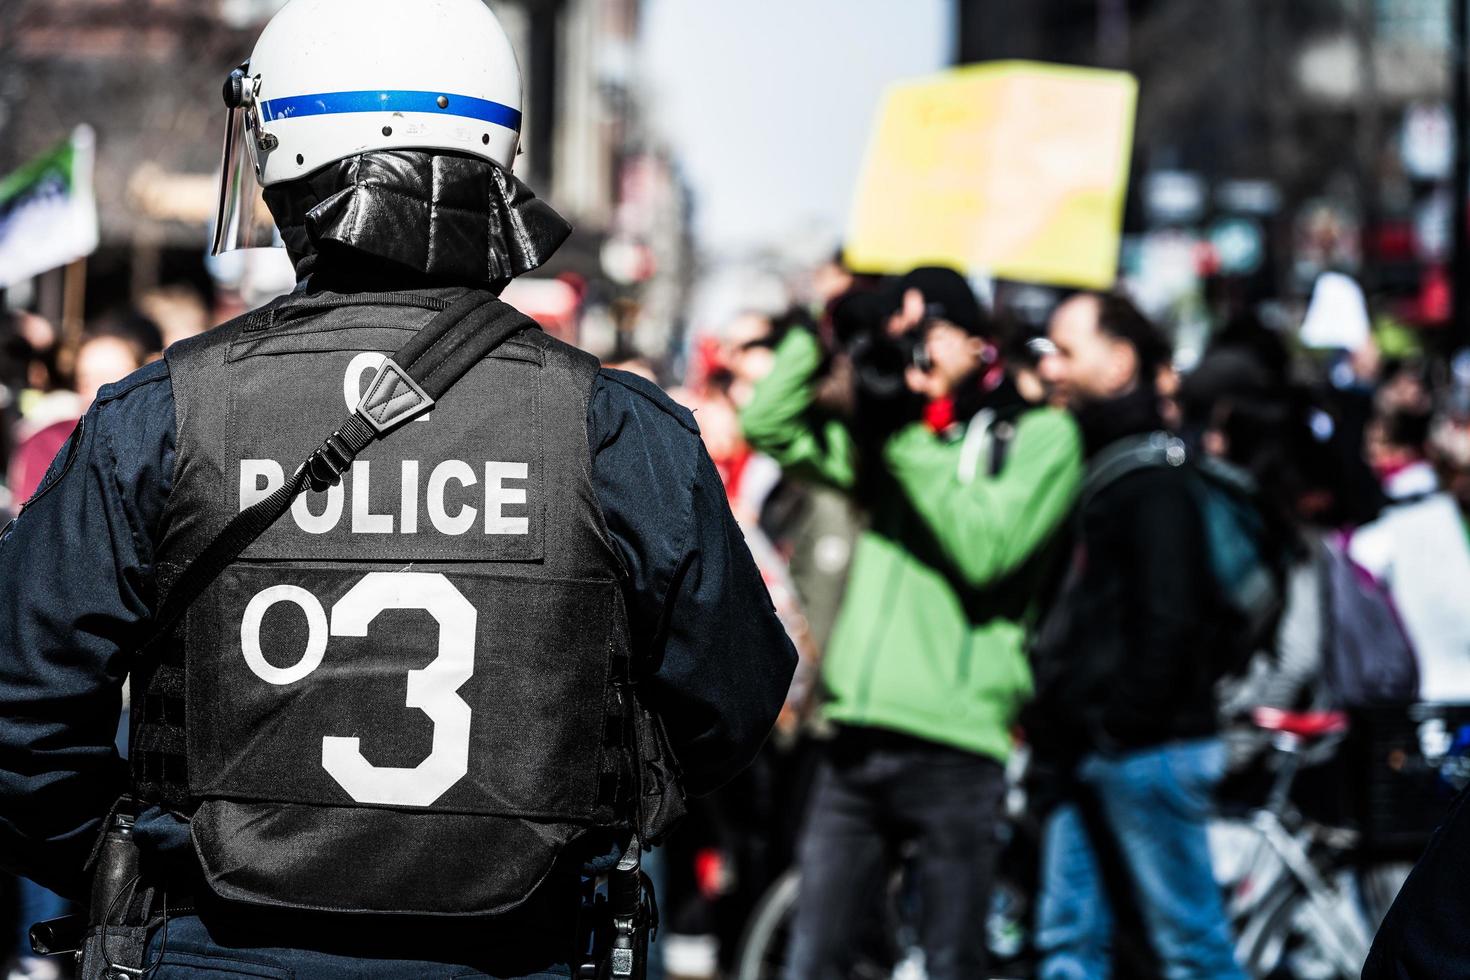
[
  {"x": 763, "y": 949},
  {"x": 1295, "y": 935},
  {"x": 1378, "y": 885}
]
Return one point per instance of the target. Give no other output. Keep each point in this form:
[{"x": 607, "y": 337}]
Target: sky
[{"x": 767, "y": 104}]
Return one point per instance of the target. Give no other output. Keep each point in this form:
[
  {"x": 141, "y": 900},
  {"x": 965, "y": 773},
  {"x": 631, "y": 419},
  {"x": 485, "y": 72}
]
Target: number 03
[{"x": 431, "y": 689}]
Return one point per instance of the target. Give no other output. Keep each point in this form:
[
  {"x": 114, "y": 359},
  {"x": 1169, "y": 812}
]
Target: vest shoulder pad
[
  {"x": 653, "y": 393},
  {"x": 206, "y": 345}
]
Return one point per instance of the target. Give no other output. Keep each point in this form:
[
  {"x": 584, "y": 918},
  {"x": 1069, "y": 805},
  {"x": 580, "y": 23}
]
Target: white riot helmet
[{"x": 332, "y": 78}]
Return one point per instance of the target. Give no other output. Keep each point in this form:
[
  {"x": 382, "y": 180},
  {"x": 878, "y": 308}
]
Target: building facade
[{"x": 146, "y": 74}]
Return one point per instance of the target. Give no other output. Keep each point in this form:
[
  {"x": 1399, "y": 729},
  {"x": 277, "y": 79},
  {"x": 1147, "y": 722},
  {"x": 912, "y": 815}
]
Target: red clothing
[
  {"x": 939, "y": 414},
  {"x": 32, "y": 457}
]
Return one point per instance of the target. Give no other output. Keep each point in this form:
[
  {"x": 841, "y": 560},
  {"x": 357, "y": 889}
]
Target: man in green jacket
[{"x": 926, "y": 670}]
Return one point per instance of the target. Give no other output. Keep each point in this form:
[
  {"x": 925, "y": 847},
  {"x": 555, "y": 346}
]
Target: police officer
[{"x": 488, "y": 645}]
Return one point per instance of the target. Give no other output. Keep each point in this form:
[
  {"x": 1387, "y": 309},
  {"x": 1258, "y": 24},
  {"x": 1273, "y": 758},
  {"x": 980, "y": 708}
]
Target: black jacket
[
  {"x": 1129, "y": 651},
  {"x": 1423, "y": 936}
]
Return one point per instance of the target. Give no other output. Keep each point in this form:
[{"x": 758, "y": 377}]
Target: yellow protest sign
[{"x": 1014, "y": 169}]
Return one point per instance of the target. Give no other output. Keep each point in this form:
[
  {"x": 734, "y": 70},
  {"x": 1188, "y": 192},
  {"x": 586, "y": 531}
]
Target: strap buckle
[
  {"x": 392, "y": 398},
  {"x": 324, "y": 468}
]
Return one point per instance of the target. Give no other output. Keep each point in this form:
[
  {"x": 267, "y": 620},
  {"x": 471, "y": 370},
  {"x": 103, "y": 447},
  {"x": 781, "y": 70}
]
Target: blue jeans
[{"x": 1144, "y": 812}]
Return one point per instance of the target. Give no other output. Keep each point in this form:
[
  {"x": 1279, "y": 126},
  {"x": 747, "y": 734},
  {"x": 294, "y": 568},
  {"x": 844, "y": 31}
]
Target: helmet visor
[{"x": 242, "y": 220}]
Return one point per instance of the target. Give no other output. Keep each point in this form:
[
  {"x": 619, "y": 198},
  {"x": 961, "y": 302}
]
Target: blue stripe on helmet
[{"x": 332, "y": 103}]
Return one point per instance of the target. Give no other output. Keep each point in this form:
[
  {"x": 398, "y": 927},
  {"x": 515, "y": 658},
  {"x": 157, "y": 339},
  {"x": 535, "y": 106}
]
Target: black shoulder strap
[
  {"x": 1129, "y": 455},
  {"x": 407, "y": 385},
  {"x": 1003, "y": 433}
]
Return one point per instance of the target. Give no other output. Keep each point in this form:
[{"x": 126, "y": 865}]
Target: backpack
[
  {"x": 1244, "y": 570},
  {"x": 1367, "y": 658}
]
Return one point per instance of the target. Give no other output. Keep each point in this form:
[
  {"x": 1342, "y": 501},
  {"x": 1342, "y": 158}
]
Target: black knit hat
[{"x": 947, "y": 296}]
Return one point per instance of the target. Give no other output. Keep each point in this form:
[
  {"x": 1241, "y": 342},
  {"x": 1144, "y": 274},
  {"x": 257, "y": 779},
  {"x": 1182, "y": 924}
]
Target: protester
[
  {"x": 105, "y": 356},
  {"x": 44, "y": 340},
  {"x": 1419, "y": 550},
  {"x": 101, "y": 358},
  {"x": 813, "y": 524},
  {"x": 749, "y": 343},
  {"x": 925, "y": 670},
  {"x": 1126, "y": 665}
]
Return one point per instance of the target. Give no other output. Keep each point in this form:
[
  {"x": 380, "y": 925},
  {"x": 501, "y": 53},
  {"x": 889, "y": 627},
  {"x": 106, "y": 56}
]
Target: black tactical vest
[{"x": 410, "y": 694}]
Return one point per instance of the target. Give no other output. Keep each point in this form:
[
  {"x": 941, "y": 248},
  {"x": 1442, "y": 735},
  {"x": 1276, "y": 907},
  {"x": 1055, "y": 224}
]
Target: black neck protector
[{"x": 451, "y": 218}]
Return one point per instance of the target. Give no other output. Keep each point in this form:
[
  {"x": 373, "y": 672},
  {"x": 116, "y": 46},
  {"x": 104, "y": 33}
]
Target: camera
[{"x": 879, "y": 359}]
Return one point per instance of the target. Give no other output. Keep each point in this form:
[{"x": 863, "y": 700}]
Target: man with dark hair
[{"x": 1126, "y": 663}]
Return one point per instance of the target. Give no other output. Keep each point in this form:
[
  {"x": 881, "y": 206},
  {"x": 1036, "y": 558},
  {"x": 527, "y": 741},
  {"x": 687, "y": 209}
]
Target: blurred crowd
[
  {"x": 1020, "y": 552},
  {"x": 993, "y": 526},
  {"x": 49, "y": 379}
]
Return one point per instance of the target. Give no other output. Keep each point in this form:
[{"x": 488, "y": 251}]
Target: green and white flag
[{"x": 48, "y": 212}]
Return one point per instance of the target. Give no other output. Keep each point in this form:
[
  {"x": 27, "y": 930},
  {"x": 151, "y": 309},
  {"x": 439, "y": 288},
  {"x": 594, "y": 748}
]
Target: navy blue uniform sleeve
[
  {"x": 718, "y": 662},
  {"x": 77, "y": 568}
]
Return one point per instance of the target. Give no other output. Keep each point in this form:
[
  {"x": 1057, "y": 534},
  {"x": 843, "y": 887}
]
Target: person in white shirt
[{"x": 1419, "y": 550}]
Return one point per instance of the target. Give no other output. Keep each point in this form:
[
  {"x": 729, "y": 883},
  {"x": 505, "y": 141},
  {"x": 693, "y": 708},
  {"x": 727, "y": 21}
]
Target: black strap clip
[{"x": 325, "y": 466}]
